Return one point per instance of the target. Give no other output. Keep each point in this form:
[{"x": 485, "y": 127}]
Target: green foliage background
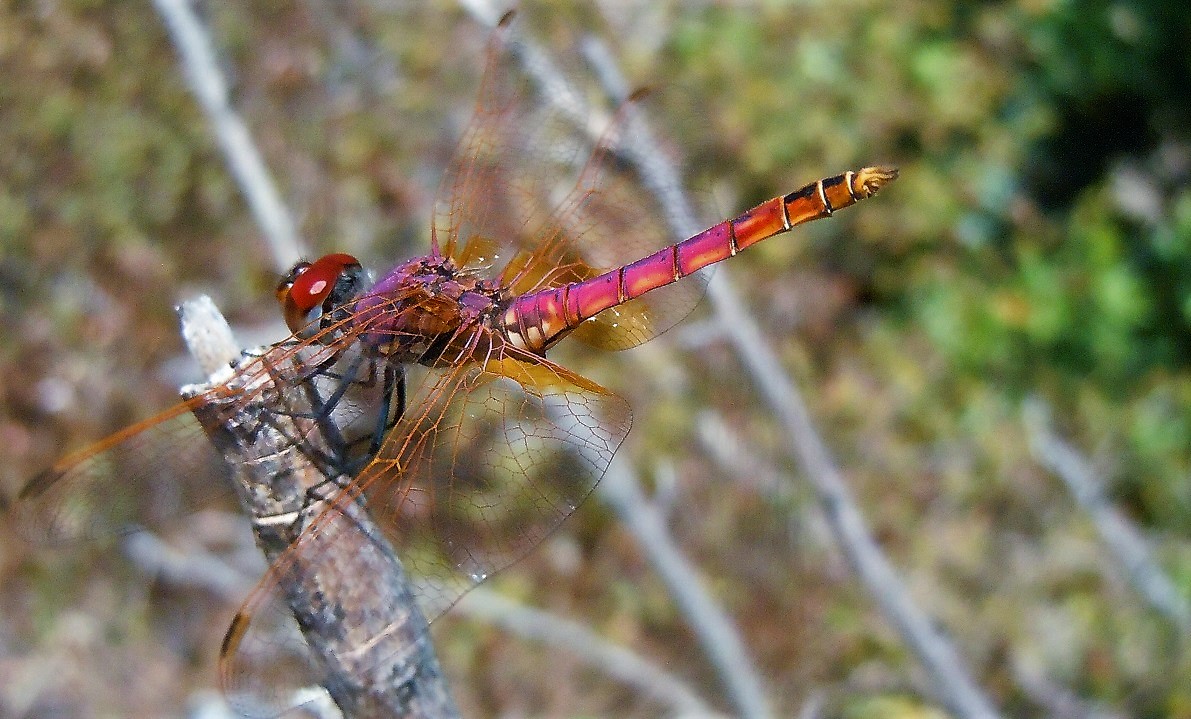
[{"x": 1037, "y": 245}]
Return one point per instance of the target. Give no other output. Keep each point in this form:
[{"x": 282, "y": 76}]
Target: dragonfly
[{"x": 470, "y": 444}]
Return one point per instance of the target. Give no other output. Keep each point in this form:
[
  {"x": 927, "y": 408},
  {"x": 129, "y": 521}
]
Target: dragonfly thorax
[{"x": 429, "y": 311}]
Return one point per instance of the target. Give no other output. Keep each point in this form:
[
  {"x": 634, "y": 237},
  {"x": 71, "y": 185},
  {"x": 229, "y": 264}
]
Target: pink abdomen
[{"x": 537, "y": 320}]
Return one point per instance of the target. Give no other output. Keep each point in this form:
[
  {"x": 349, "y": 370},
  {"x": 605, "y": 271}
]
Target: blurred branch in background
[
  {"x": 196, "y": 568},
  {"x": 720, "y": 640},
  {"x": 192, "y": 567},
  {"x": 616, "y": 661},
  {"x": 1123, "y": 540},
  {"x": 239, "y": 151},
  {"x": 730, "y": 451},
  {"x": 1058, "y": 701}
]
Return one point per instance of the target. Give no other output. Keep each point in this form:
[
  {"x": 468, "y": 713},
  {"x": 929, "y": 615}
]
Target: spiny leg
[
  {"x": 394, "y": 387},
  {"x": 391, "y": 409},
  {"x": 332, "y": 461}
]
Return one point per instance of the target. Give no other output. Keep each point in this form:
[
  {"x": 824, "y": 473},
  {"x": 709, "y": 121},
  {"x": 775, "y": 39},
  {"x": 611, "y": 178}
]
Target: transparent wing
[
  {"x": 164, "y": 467},
  {"x": 143, "y": 476},
  {"x": 489, "y": 462},
  {"x": 518, "y": 200},
  {"x": 493, "y": 195}
]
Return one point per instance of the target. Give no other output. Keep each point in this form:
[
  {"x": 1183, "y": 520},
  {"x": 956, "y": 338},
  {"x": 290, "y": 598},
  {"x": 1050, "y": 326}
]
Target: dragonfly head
[{"x": 311, "y": 291}]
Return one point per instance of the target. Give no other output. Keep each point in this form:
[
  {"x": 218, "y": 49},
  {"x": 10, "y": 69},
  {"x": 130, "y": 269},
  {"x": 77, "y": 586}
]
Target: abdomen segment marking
[{"x": 538, "y": 320}]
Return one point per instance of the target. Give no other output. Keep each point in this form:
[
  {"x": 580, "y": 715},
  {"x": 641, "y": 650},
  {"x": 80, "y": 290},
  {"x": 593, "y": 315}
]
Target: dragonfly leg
[
  {"x": 346, "y": 463},
  {"x": 325, "y": 368},
  {"x": 322, "y": 411},
  {"x": 333, "y": 459},
  {"x": 338, "y": 450},
  {"x": 327, "y": 462},
  {"x": 392, "y": 407},
  {"x": 394, "y": 388},
  {"x": 346, "y": 456}
]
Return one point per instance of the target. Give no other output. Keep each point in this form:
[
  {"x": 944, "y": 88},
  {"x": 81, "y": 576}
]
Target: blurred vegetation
[{"x": 1038, "y": 244}]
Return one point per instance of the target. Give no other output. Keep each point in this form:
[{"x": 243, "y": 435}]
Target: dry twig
[
  {"x": 612, "y": 659},
  {"x": 1125, "y": 543}
]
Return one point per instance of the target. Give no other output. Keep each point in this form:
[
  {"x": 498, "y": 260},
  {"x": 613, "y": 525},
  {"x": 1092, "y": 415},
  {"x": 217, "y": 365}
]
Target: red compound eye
[
  {"x": 287, "y": 281},
  {"x": 307, "y": 286}
]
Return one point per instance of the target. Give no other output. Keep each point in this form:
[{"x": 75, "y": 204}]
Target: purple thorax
[{"x": 422, "y": 303}]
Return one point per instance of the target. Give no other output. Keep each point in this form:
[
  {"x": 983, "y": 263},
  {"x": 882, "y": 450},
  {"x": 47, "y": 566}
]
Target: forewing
[
  {"x": 143, "y": 476},
  {"x": 519, "y": 201},
  {"x": 511, "y": 166},
  {"x": 166, "y": 466}
]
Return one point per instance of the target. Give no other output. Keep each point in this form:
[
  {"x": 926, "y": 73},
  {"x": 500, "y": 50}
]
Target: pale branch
[
  {"x": 1124, "y": 541},
  {"x": 614, "y": 660},
  {"x": 950, "y": 679},
  {"x": 717, "y": 635},
  {"x": 1058, "y": 701},
  {"x": 243, "y": 157},
  {"x": 191, "y": 567},
  {"x": 720, "y": 641},
  {"x": 734, "y": 456}
]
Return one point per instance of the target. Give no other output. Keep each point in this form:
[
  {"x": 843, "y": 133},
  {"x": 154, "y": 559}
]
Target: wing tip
[
  {"x": 38, "y": 485},
  {"x": 233, "y": 637},
  {"x": 640, "y": 94}
]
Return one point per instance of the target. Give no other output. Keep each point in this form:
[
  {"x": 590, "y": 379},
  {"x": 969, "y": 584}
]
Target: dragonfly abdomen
[{"x": 537, "y": 320}]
